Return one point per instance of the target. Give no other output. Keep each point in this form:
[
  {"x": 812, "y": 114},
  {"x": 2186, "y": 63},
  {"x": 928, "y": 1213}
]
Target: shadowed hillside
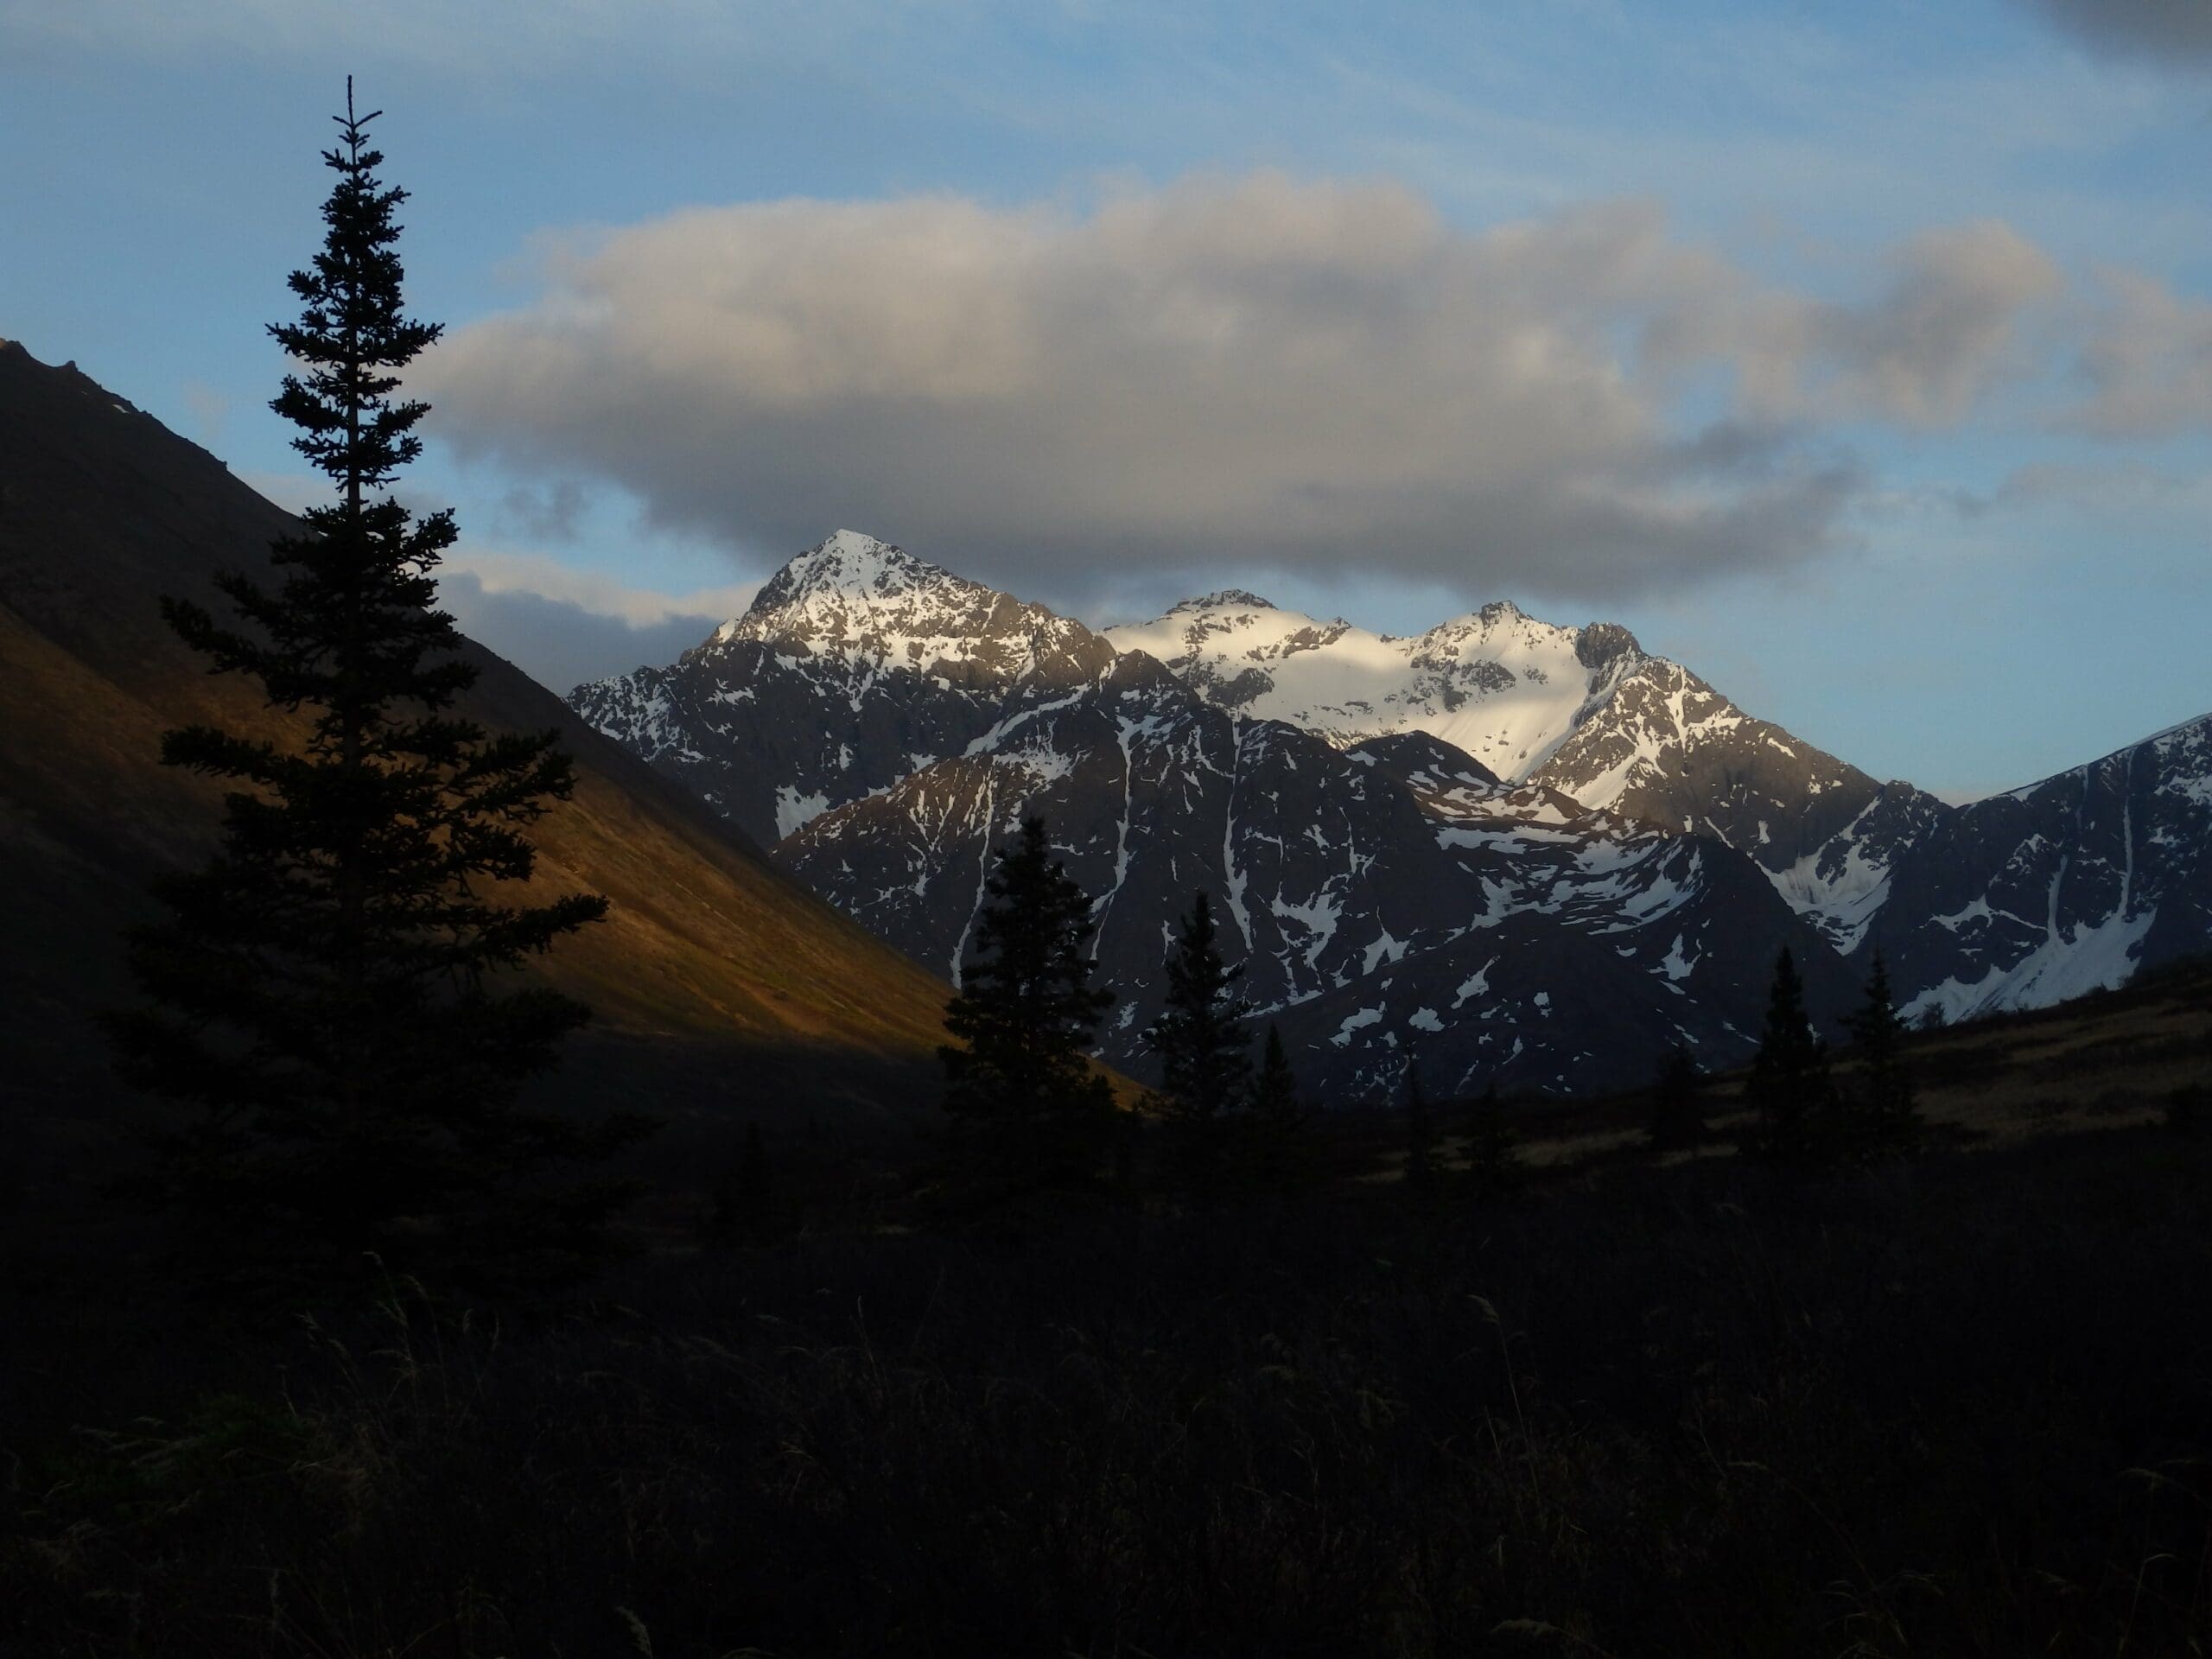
[{"x": 716, "y": 980}]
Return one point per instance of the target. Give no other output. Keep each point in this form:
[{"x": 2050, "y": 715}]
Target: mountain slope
[
  {"x": 1585, "y": 711},
  {"x": 1540, "y": 854},
  {"x": 1367, "y": 893},
  {"x": 715, "y": 979},
  {"x": 2064, "y": 886}
]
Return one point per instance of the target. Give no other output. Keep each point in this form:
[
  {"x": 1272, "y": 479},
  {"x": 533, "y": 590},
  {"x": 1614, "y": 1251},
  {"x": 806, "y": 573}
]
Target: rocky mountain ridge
[
  {"x": 856, "y": 665},
  {"x": 1540, "y": 854}
]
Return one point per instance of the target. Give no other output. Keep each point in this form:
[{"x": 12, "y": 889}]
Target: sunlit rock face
[{"x": 856, "y": 664}]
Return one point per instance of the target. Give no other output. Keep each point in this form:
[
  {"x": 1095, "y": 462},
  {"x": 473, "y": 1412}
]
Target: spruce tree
[
  {"x": 1675, "y": 1121},
  {"x": 320, "y": 994},
  {"x": 1420, "y": 1137},
  {"x": 1020, "y": 1091},
  {"x": 1279, "y": 1142},
  {"x": 1789, "y": 1087},
  {"x": 1884, "y": 1105},
  {"x": 1493, "y": 1149},
  {"x": 1203, "y": 1049}
]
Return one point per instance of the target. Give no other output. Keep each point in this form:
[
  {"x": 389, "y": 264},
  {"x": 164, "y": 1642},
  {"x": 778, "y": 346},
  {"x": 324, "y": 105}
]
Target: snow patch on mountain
[{"x": 1497, "y": 682}]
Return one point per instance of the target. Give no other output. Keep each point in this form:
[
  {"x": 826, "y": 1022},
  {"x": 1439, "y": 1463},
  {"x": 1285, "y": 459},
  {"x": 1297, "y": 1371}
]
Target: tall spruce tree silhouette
[
  {"x": 319, "y": 993},
  {"x": 1021, "y": 1096},
  {"x": 1884, "y": 1106},
  {"x": 1790, "y": 1086},
  {"x": 1203, "y": 1049}
]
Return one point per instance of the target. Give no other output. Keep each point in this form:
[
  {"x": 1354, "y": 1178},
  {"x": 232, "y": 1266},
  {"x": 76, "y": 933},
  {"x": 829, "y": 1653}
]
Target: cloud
[
  {"x": 562, "y": 626},
  {"x": 2109, "y": 489},
  {"x": 1940, "y": 336},
  {"x": 2148, "y": 361},
  {"x": 2177, "y": 33},
  {"x": 1248, "y": 368},
  {"x": 551, "y": 513}
]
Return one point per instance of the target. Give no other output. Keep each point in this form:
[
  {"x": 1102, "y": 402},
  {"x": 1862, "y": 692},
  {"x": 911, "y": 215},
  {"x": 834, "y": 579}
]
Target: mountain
[
  {"x": 1365, "y": 891},
  {"x": 1535, "y": 855},
  {"x": 1585, "y": 711},
  {"x": 855, "y": 665},
  {"x": 2068, "y": 886},
  {"x": 715, "y": 980},
  {"x": 1499, "y": 686},
  {"x": 891, "y": 723}
]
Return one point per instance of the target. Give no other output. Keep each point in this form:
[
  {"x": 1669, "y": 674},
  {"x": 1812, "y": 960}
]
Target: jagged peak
[
  {"x": 849, "y": 570},
  {"x": 1600, "y": 643},
  {"x": 869, "y": 602},
  {"x": 848, "y": 560},
  {"x": 1225, "y": 599}
]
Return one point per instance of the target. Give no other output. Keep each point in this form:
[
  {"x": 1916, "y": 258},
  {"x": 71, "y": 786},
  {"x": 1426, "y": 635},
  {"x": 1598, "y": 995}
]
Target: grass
[
  {"x": 1963, "y": 1407},
  {"x": 1628, "y": 1406}
]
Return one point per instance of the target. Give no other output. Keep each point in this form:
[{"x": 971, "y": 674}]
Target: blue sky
[{"x": 1858, "y": 356}]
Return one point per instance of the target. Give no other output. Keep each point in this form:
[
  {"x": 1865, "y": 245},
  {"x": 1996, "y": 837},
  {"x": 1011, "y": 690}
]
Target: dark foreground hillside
[
  {"x": 722, "y": 990},
  {"x": 1961, "y": 1406}
]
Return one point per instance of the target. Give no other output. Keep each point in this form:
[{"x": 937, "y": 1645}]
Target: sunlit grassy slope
[{"x": 718, "y": 982}]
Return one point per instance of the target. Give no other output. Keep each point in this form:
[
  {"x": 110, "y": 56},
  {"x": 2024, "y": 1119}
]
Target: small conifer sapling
[
  {"x": 1789, "y": 1086},
  {"x": 1202, "y": 1046},
  {"x": 1024, "y": 1100},
  {"x": 1885, "y": 1105}
]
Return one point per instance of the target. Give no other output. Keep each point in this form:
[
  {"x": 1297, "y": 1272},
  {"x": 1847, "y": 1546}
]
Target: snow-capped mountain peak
[
  {"x": 856, "y": 663},
  {"x": 1497, "y": 682},
  {"x": 1228, "y": 599},
  {"x": 877, "y": 606},
  {"x": 849, "y": 573}
]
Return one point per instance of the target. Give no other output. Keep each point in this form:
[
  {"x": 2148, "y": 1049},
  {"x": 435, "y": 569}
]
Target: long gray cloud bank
[{"x": 1250, "y": 369}]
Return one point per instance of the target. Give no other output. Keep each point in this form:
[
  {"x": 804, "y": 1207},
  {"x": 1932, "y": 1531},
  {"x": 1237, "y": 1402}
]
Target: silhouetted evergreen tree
[
  {"x": 1279, "y": 1146},
  {"x": 1204, "y": 1050},
  {"x": 1789, "y": 1086},
  {"x": 1884, "y": 1106},
  {"x": 1420, "y": 1137},
  {"x": 1020, "y": 1091},
  {"x": 319, "y": 992},
  {"x": 1676, "y": 1121},
  {"x": 1493, "y": 1149}
]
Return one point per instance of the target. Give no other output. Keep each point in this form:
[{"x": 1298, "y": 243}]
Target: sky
[{"x": 1857, "y": 355}]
